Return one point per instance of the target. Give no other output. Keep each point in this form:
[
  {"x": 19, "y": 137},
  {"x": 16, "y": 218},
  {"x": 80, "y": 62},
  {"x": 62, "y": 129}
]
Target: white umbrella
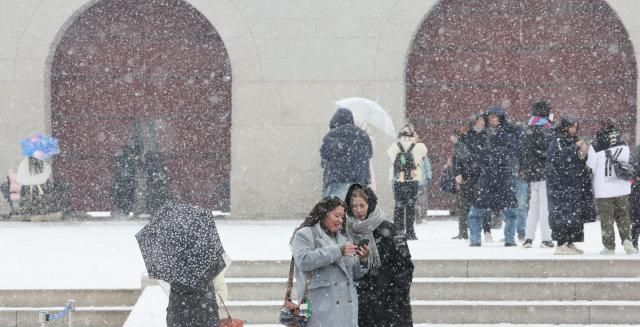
[{"x": 370, "y": 112}]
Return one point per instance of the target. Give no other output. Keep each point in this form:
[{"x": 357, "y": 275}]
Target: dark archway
[
  {"x": 470, "y": 54},
  {"x": 158, "y": 65}
]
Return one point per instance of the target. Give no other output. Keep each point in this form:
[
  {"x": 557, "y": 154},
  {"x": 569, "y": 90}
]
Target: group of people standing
[
  {"x": 545, "y": 175},
  {"x": 569, "y": 180}
]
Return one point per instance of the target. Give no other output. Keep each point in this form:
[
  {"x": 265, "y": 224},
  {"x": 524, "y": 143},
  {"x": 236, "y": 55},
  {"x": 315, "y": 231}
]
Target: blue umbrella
[{"x": 39, "y": 146}]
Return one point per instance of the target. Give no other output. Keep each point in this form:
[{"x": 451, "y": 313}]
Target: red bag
[{"x": 229, "y": 321}]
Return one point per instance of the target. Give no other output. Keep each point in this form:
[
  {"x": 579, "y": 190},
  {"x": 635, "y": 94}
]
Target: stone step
[
  {"x": 114, "y": 316},
  {"x": 528, "y": 268},
  {"x": 473, "y": 289},
  {"x": 82, "y": 297},
  {"x": 484, "y": 312}
]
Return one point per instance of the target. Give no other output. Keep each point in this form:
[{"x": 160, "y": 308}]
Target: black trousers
[
  {"x": 634, "y": 212},
  {"x": 404, "y": 213}
]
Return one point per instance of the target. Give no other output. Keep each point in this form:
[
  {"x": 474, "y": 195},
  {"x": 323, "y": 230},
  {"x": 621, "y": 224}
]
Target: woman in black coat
[
  {"x": 568, "y": 187},
  {"x": 383, "y": 293}
]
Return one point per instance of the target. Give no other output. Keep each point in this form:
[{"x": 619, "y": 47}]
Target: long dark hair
[
  {"x": 36, "y": 166},
  {"x": 320, "y": 211}
]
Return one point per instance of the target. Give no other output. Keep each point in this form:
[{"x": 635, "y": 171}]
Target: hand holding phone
[{"x": 363, "y": 248}]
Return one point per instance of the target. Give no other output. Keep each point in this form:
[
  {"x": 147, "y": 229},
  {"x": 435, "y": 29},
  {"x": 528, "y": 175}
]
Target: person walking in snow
[
  {"x": 494, "y": 190},
  {"x": 383, "y": 292},
  {"x": 345, "y": 155},
  {"x": 406, "y": 170},
  {"x": 611, "y": 191},
  {"x": 532, "y": 166},
  {"x": 569, "y": 187},
  {"x": 324, "y": 253}
]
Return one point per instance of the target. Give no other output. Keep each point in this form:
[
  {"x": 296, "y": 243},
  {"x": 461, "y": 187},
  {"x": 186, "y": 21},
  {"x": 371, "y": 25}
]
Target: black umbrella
[{"x": 181, "y": 244}]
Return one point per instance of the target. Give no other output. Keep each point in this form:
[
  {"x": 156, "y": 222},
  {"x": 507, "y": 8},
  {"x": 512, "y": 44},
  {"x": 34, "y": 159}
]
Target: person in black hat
[
  {"x": 611, "y": 191},
  {"x": 532, "y": 166}
]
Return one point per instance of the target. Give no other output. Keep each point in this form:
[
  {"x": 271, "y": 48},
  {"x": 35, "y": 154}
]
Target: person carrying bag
[{"x": 291, "y": 313}]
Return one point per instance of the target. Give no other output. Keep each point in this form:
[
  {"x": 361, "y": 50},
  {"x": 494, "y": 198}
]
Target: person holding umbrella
[
  {"x": 326, "y": 258},
  {"x": 181, "y": 246},
  {"x": 34, "y": 175},
  {"x": 344, "y": 155}
]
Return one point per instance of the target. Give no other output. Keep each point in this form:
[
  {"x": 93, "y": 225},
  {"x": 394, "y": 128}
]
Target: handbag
[
  {"x": 448, "y": 181},
  {"x": 623, "y": 170},
  {"x": 292, "y": 314},
  {"x": 229, "y": 321}
]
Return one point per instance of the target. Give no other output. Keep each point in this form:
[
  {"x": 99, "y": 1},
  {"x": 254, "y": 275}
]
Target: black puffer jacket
[
  {"x": 569, "y": 189},
  {"x": 467, "y": 155},
  {"x": 534, "y": 155},
  {"x": 346, "y": 151},
  {"x": 496, "y": 161}
]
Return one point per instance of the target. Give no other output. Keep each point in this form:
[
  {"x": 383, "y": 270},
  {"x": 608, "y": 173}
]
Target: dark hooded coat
[
  {"x": 346, "y": 151},
  {"x": 467, "y": 155},
  {"x": 189, "y": 307},
  {"x": 383, "y": 295},
  {"x": 569, "y": 189},
  {"x": 534, "y": 154},
  {"x": 496, "y": 161}
]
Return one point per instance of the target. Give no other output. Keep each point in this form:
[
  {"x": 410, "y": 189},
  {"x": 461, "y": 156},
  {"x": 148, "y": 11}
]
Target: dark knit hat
[
  {"x": 541, "y": 108},
  {"x": 406, "y": 130},
  {"x": 608, "y": 138}
]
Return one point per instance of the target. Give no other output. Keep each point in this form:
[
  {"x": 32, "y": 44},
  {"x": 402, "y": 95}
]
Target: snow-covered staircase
[
  {"x": 555, "y": 291},
  {"x": 575, "y": 290},
  {"x": 94, "y": 307}
]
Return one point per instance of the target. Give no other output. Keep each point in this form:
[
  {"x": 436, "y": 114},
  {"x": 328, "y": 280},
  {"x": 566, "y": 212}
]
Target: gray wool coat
[{"x": 332, "y": 291}]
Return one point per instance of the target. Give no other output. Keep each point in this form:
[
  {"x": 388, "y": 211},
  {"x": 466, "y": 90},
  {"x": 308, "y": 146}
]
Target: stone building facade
[{"x": 279, "y": 66}]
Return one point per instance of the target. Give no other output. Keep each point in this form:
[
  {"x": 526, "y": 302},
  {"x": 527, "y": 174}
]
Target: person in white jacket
[{"x": 611, "y": 192}]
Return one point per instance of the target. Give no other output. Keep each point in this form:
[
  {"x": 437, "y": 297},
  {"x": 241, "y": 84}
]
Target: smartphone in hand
[{"x": 363, "y": 242}]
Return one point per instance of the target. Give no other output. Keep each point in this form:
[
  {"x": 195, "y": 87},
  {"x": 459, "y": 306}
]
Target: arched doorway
[
  {"x": 470, "y": 55},
  {"x": 154, "y": 73}
]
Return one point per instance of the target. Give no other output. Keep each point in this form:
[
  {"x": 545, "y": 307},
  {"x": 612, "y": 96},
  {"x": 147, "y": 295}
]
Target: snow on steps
[{"x": 466, "y": 291}]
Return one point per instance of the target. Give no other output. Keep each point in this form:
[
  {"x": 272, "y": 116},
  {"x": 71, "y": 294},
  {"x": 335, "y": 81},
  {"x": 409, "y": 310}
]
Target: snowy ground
[{"x": 98, "y": 255}]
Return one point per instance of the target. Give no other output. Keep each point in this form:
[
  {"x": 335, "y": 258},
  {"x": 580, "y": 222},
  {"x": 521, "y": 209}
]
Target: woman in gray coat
[{"x": 322, "y": 251}]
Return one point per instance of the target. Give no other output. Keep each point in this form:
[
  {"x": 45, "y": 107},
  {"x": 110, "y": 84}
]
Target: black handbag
[
  {"x": 448, "y": 181},
  {"x": 292, "y": 314}
]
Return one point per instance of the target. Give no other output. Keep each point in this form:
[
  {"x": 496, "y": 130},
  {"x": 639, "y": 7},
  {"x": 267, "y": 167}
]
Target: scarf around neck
[
  {"x": 363, "y": 229},
  {"x": 539, "y": 121}
]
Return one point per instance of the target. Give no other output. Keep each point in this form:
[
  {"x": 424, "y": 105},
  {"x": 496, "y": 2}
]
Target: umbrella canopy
[
  {"x": 181, "y": 244},
  {"x": 39, "y": 146},
  {"x": 370, "y": 112}
]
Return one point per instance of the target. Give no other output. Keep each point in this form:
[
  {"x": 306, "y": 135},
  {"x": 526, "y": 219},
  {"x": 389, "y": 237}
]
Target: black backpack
[
  {"x": 623, "y": 170},
  {"x": 404, "y": 163}
]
